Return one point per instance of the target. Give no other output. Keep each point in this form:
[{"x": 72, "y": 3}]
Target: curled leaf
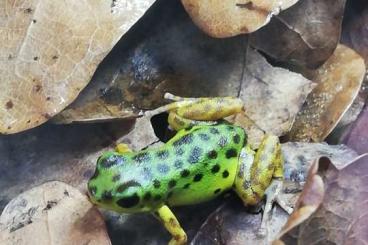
[
  {"x": 50, "y": 50},
  {"x": 339, "y": 81},
  {"x": 229, "y": 18},
  {"x": 341, "y": 215}
]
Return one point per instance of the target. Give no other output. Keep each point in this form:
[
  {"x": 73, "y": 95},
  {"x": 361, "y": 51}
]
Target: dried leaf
[
  {"x": 50, "y": 50},
  {"x": 52, "y": 213},
  {"x": 146, "y": 63},
  {"x": 357, "y": 135},
  {"x": 229, "y": 18},
  {"x": 231, "y": 224},
  {"x": 305, "y": 35},
  {"x": 341, "y": 216},
  {"x": 339, "y": 81},
  {"x": 272, "y": 96},
  {"x": 308, "y": 202}
]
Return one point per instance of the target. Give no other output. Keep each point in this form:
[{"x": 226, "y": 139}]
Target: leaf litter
[{"x": 144, "y": 65}]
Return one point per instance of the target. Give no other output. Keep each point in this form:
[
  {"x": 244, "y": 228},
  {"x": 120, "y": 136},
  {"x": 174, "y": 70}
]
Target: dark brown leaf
[
  {"x": 305, "y": 34},
  {"x": 341, "y": 216}
]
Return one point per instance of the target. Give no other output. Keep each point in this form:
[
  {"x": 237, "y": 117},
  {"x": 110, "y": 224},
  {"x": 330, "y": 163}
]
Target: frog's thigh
[
  {"x": 254, "y": 178},
  {"x": 171, "y": 224},
  {"x": 122, "y": 148},
  {"x": 177, "y": 122}
]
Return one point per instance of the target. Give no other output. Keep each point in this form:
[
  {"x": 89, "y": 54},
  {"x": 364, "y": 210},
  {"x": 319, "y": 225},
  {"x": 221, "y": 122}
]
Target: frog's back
[{"x": 203, "y": 162}]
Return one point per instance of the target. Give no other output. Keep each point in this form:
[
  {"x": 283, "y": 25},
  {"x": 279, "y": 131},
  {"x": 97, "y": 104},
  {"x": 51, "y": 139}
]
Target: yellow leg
[
  {"x": 172, "y": 225},
  {"x": 261, "y": 176},
  {"x": 254, "y": 178},
  {"x": 122, "y": 148},
  {"x": 202, "y": 109},
  {"x": 177, "y": 122}
]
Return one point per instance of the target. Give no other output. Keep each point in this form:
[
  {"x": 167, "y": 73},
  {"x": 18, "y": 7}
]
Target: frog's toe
[{"x": 178, "y": 240}]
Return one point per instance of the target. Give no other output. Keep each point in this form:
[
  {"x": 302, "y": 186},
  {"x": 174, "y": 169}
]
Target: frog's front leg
[
  {"x": 122, "y": 148},
  {"x": 260, "y": 174},
  {"x": 171, "y": 224}
]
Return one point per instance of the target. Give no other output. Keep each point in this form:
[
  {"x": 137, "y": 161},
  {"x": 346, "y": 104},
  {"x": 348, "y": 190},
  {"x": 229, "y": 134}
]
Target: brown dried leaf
[
  {"x": 152, "y": 59},
  {"x": 231, "y": 224},
  {"x": 341, "y": 216},
  {"x": 52, "y": 213},
  {"x": 49, "y": 51},
  {"x": 339, "y": 81},
  {"x": 305, "y": 35},
  {"x": 229, "y": 18},
  {"x": 272, "y": 96}
]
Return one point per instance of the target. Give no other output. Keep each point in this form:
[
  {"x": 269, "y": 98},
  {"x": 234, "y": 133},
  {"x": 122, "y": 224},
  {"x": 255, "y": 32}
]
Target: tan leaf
[
  {"x": 339, "y": 81},
  {"x": 52, "y": 213},
  {"x": 229, "y": 18},
  {"x": 272, "y": 96},
  {"x": 50, "y": 50}
]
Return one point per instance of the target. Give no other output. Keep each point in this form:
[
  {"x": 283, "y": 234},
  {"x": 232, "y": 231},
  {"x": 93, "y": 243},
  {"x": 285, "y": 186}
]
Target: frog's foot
[
  {"x": 172, "y": 225},
  {"x": 272, "y": 196},
  {"x": 122, "y": 148}
]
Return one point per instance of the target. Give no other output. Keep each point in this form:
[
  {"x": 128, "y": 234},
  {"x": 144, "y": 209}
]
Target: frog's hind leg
[
  {"x": 177, "y": 122},
  {"x": 172, "y": 225},
  {"x": 172, "y": 97},
  {"x": 260, "y": 174}
]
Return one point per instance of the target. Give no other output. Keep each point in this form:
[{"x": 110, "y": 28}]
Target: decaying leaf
[
  {"x": 272, "y": 96},
  {"x": 52, "y": 213},
  {"x": 49, "y": 51},
  {"x": 341, "y": 216},
  {"x": 339, "y": 81},
  {"x": 306, "y": 34},
  {"x": 231, "y": 224},
  {"x": 163, "y": 52},
  {"x": 229, "y": 18}
]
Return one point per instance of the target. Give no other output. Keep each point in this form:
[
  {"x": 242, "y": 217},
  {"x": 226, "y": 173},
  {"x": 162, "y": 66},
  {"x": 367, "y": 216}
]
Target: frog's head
[{"x": 113, "y": 186}]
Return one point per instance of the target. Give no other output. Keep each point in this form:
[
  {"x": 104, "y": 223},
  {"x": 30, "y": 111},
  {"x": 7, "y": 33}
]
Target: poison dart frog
[{"x": 204, "y": 159}]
